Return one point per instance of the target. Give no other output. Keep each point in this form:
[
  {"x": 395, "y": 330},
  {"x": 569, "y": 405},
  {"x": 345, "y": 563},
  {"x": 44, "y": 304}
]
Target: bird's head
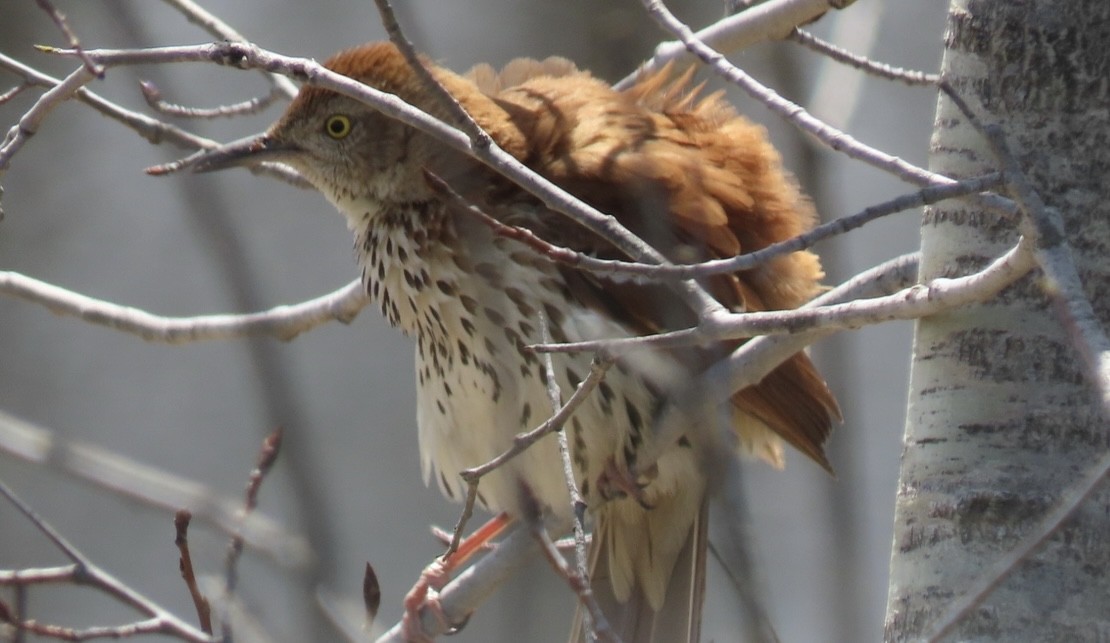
[{"x": 355, "y": 155}]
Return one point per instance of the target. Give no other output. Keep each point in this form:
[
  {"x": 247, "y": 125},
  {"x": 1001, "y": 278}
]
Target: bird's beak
[{"x": 245, "y": 151}]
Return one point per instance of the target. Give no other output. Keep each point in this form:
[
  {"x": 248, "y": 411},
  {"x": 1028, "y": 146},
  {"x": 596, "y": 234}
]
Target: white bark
[{"x": 1001, "y": 422}]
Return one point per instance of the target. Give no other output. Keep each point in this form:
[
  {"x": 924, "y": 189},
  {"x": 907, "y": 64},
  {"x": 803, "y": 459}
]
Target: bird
[{"x": 675, "y": 165}]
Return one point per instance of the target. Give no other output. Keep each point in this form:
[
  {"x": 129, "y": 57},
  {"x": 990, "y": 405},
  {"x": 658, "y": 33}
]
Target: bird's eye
[{"x": 337, "y": 126}]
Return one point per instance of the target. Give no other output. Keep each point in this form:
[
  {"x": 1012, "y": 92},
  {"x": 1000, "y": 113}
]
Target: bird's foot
[{"x": 425, "y": 594}]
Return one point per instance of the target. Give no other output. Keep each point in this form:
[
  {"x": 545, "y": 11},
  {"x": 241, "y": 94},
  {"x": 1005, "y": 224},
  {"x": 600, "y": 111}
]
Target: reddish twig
[{"x": 204, "y": 610}]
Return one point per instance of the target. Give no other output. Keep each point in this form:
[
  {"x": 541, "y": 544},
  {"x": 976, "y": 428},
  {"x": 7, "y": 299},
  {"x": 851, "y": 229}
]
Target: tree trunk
[{"x": 1001, "y": 422}]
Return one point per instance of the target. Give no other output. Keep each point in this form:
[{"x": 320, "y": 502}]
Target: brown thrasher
[{"x": 682, "y": 171}]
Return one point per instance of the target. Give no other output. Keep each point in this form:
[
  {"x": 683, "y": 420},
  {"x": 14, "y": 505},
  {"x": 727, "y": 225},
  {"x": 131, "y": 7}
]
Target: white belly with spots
[{"x": 470, "y": 312}]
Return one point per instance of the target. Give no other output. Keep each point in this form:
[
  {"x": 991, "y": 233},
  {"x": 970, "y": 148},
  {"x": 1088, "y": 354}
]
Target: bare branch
[
  {"x": 84, "y": 572},
  {"x": 200, "y": 602},
  {"x": 522, "y": 441},
  {"x": 245, "y": 56},
  {"x": 917, "y": 301},
  {"x": 153, "y": 97},
  {"x": 767, "y": 21},
  {"x": 579, "y": 583},
  {"x": 794, "y": 114},
  {"x": 150, "y": 487},
  {"x": 29, "y": 124},
  {"x": 748, "y": 261},
  {"x": 458, "y": 114},
  {"x": 271, "y": 447},
  {"x": 756, "y": 358},
  {"x": 71, "y": 37},
  {"x": 862, "y": 63},
  {"x": 213, "y": 25},
  {"x": 578, "y": 505},
  {"x": 152, "y": 130},
  {"x": 282, "y": 322}
]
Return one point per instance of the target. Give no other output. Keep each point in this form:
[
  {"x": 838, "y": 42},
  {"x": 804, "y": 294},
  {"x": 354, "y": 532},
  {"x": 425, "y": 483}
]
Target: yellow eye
[{"x": 337, "y": 126}]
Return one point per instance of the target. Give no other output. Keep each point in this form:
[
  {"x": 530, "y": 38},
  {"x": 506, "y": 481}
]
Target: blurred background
[{"x": 80, "y": 213}]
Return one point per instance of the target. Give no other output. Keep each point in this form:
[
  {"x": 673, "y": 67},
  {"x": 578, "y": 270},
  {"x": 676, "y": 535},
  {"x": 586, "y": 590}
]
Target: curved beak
[{"x": 245, "y": 151}]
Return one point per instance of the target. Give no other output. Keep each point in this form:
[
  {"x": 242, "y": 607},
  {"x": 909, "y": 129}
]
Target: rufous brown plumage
[{"x": 680, "y": 169}]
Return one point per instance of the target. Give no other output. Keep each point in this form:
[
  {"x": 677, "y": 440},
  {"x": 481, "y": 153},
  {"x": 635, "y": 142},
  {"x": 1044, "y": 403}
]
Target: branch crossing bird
[{"x": 677, "y": 167}]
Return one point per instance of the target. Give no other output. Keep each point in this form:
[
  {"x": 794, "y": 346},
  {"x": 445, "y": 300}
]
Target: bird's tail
[{"x": 634, "y": 620}]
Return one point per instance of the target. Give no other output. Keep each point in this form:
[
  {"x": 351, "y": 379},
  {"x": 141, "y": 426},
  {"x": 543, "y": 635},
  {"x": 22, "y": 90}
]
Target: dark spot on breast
[
  {"x": 446, "y": 287},
  {"x": 634, "y": 419},
  {"x": 467, "y": 325},
  {"x": 489, "y": 272},
  {"x": 629, "y": 455},
  {"x": 573, "y": 377},
  {"x": 495, "y": 317},
  {"x": 521, "y": 302},
  {"x": 402, "y": 254},
  {"x": 442, "y": 409},
  {"x": 469, "y": 303},
  {"x": 525, "y": 414},
  {"x": 553, "y": 285},
  {"x": 464, "y": 353},
  {"x": 554, "y": 314}
]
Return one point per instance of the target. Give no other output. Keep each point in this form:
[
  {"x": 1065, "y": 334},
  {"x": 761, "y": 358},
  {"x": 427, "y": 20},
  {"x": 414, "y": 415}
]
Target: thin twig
[
  {"x": 152, "y": 130},
  {"x": 153, "y": 97},
  {"x": 267, "y": 455},
  {"x": 612, "y": 267},
  {"x": 84, "y": 572},
  {"x": 579, "y": 583},
  {"x": 577, "y": 504},
  {"x": 200, "y": 601},
  {"x": 522, "y": 441},
  {"x": 835, "y": 139},
  {"x": 862, "y": 63},
  {"x": 215, "y": 26},
  {"x": 455, "y": 110},
  {"x": 464, "y": 517},
  {"x": 71, "y": 37},
  {"x": 13, "y": 92}
]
